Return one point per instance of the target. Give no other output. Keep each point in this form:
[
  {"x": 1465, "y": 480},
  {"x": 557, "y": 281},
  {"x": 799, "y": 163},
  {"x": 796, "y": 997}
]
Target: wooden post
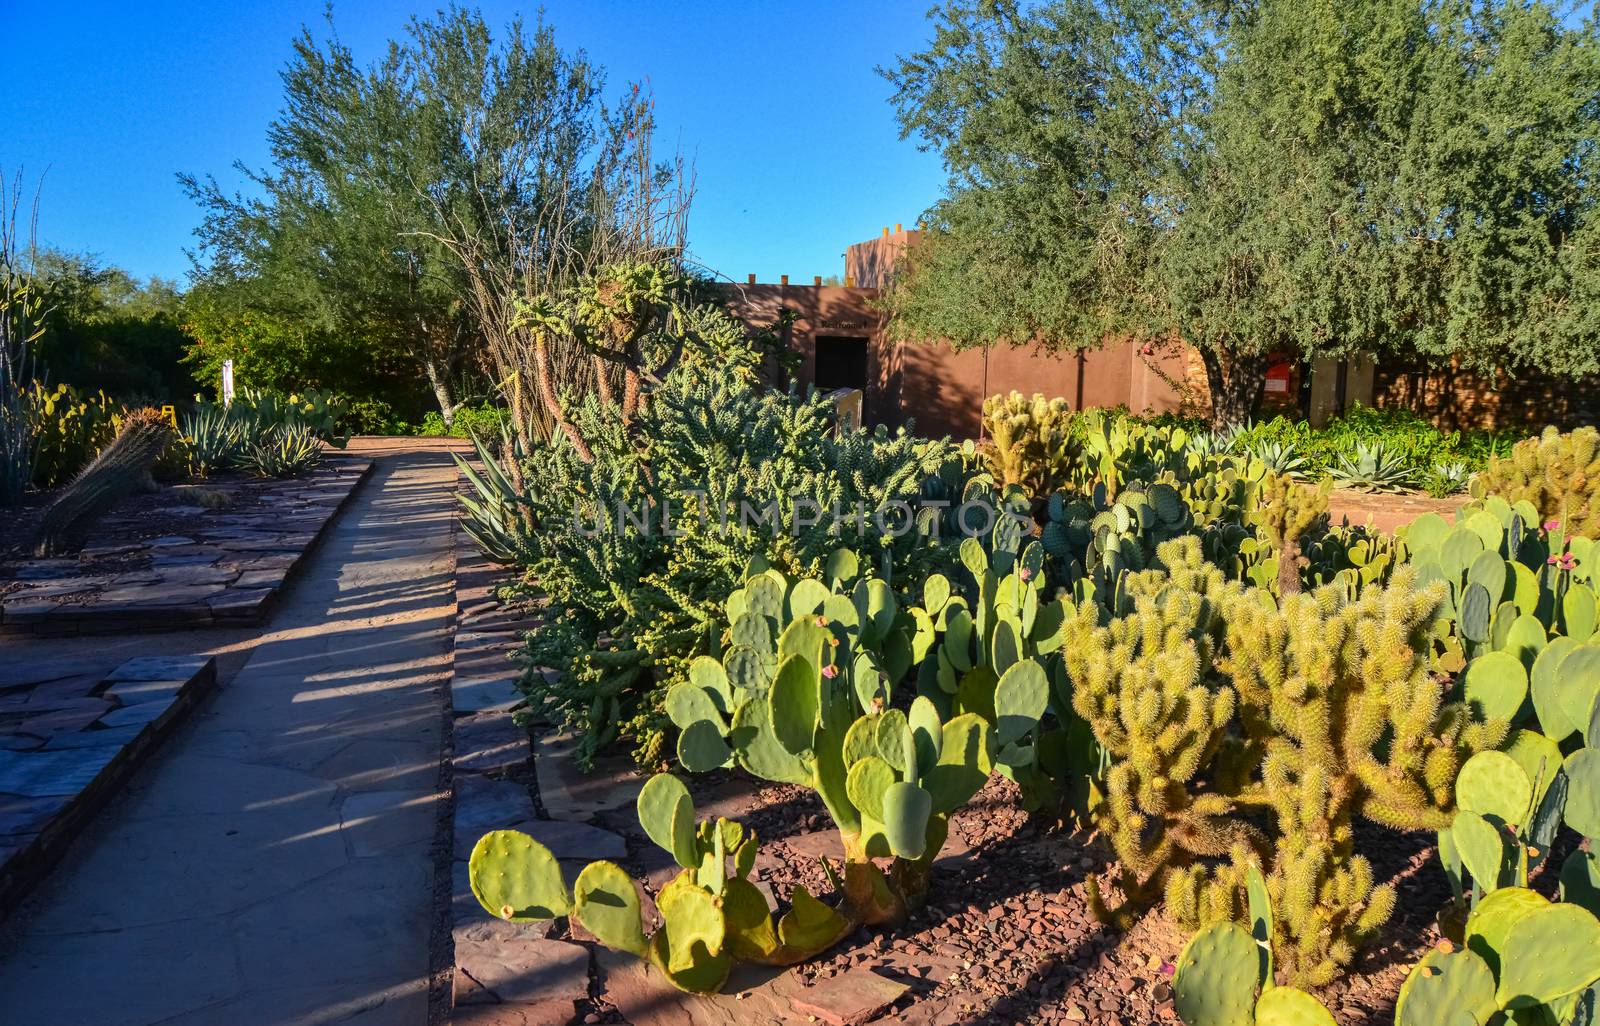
[
  {"x": 752, "y": 279},
  {"x": 783, "y": 279}
]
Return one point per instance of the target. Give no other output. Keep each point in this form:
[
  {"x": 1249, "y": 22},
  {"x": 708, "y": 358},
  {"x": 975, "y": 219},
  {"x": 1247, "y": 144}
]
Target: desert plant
[
  {"x": 292, "y": 450},
  {"x": 1371, "y": 467},
  {"x": 21, "y": 326},
  {"x": 1558, "y": 474},
  {"x": 211, "y": 442},
  {"x": 1028, "y": 441},
  {"x": 1447, "y": 478},
  {"x": 1224, "y": 976},
  {"x": 1316, "y": 709},
  {"x": 1279, "y": 457},
  {"x": 122, "y": 469}
]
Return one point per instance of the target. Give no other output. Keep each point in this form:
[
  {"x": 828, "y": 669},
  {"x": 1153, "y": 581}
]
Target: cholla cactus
[
  {"x": 1286, "y": 512},
  {"x": 1028, "y": 441},
  {"x": 1558, "y": 473},
  {"x": 1213, "y": 704}
]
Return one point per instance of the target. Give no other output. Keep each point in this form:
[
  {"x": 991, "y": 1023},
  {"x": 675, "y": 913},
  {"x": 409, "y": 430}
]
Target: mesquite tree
[{"x": 1260, "y": 176}]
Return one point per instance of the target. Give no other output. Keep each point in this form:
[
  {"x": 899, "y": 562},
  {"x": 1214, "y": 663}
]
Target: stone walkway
[{"x": 274, "y": 864}]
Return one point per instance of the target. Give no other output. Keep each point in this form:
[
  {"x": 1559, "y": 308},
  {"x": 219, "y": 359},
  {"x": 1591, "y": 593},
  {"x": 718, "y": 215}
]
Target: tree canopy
[{"x": 1322, "y": 177}]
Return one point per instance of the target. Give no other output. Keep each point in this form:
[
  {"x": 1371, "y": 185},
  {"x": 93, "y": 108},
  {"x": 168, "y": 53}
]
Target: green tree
[
  {"x": 106, "y": 329},
  {"x": 1319, "y": 176},
  {"x": 337, "y": 248}
]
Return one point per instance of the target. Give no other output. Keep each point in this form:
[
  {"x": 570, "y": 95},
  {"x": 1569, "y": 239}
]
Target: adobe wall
[{"x": 1456, "y": 399}]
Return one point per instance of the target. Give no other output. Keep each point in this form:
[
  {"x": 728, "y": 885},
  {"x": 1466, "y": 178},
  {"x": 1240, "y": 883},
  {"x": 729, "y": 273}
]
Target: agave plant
[
  {"x": 1373, "y": 467},
  {"x": 291, "y": 451},
  {"x": 1279, "y": 457},
  {"x": 1447, "y": 479},
  {"x": 211, "y": 442}
]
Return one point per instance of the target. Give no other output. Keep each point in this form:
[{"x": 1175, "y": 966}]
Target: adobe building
[{"x": 840, "y": 332}]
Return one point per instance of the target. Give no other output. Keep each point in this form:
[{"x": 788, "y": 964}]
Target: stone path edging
[
  {"x": 50, "y": 793},
  {"x": 237, "y": 586}
]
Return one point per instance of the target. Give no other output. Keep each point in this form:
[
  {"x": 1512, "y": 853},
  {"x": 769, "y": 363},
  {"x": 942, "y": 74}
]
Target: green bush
[
  {"x": 482, "y": 421},
  {"x": 69, "y": 428}
]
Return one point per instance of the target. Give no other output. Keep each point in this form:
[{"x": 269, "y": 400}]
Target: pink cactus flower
[
  {"x": 1024, "y": 573},
  {"x": 1551, "y": 525},
  {"x": 830, "y": 671},
  {"x": 1552, "y": 560}
]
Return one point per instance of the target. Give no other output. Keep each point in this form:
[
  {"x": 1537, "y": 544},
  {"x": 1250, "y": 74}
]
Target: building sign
[{"x": 1278, "y": 377}]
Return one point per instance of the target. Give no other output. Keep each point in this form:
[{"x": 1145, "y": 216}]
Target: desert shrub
[
  {"x": 637, "y": 548},
  {"x": 292, "y": 450},
  {"x": 1559, "y": 474}
]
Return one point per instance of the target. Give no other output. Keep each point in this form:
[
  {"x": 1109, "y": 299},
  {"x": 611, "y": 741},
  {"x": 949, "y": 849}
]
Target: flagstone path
[{"x": 275, "y": 861}]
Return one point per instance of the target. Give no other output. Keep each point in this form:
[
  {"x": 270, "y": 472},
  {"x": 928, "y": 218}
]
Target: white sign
[{"x": 227, "y": 383}]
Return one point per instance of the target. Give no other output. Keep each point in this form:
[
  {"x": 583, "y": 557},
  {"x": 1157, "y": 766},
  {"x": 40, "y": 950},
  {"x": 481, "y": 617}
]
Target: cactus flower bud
[
  {"x": 830, "y": 671},
  {"x": 1551, "y": 525}
]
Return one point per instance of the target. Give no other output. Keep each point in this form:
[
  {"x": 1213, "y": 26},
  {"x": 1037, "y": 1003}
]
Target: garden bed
[
  {"x": 183, "y": 556},
  {"x": 68, "y": 741}
]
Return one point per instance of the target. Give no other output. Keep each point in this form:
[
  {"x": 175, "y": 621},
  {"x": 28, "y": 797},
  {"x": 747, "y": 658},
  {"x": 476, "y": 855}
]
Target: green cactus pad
[
  {"x": 1580, "y": 880},
  {"x": 763, "y": 596},
  {"x": 1019, "y": 701},
  {"x": 1577, "y": 684},
  {"x": 752, "y": 631},
  {"x": 895, "y": 745},
  {"x": 1582, "y": 811},
  {"x": 1481, "y": 846},
  {"x": 1286, "y": 1006},
  {"x": 516, "y": 878},
  {"x": 806, "y": 637},
  {"x": 1215, "y": 983},
  {"x": 702, "y": 748},
  {"x": 1495, "y": 685},
  {"x": 965, "y": 761},
  {"x": 810, "y": 927},
  {"x": 747, "y": 669},
  {"x": 608, "y": 906},
  {"x": 958, "y": 640},
  {"x": 807, "y": 597},
  {"x": 1446, "y": 989},
  {"x": 1475, "y": 611},
  {"x": 860, "y": 740},
  {"x": 1493, "y": 785},
  {"x": 1545, "y": 686},
  {"x": 1262, "y": 926},
  {"x": 794, "y": 704},
  {"x": 935, "y": 593},
  {"x": 1457, "y": 551},
  {"x": 927, "y": 733},
  {"x": 690, "y": 916},
  {"x": 1526, "y": 638},
  {"x": 688, "y": 703},
  {"x": 708, "y": 675},
  {"x": 841, "y": 568},
  {"x": 1492, "y": 920},
  {"x": 868, "y": 781},
  {"x": 1579, "y": 612},
  {"x": 751, "y": 935},
  {"x": 1549, "y": 953},
  {"x": 906, "y": 808},
  {"x": 1539, "y": 757},
  {"x": 756, "y": 747},
  {"x": 667, "y": 814},
  {"x": 1489, "y": 570}
]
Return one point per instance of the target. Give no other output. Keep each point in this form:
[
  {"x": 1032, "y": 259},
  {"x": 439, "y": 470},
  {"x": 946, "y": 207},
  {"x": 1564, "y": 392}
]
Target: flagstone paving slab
[
  {"x": 229, "y": 570},
  {"x": 272, "y": 865}
]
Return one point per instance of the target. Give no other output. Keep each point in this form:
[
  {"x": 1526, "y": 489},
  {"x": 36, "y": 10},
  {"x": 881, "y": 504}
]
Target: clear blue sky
[{"x": 795, "y": 144}]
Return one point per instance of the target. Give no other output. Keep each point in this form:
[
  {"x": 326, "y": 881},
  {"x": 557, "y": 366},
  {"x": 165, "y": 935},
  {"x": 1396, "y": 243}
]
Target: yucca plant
[{"x": 1373, "y": 467}]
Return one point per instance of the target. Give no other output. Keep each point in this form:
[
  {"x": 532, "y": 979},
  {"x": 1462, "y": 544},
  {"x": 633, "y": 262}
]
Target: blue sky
[{"x": 795, "y": 145}]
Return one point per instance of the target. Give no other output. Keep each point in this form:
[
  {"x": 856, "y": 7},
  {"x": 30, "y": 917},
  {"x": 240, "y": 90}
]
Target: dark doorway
[{"x": 841, "y": 362}]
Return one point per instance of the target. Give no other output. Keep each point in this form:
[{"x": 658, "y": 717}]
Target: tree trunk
[
  {"x": 1236, "y": 381},
  {"x": 441, "y": 391}
]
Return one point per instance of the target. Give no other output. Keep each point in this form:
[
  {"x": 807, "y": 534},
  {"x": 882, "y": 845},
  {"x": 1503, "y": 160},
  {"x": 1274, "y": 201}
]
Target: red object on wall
[{"x": 1280, "y": 379}]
